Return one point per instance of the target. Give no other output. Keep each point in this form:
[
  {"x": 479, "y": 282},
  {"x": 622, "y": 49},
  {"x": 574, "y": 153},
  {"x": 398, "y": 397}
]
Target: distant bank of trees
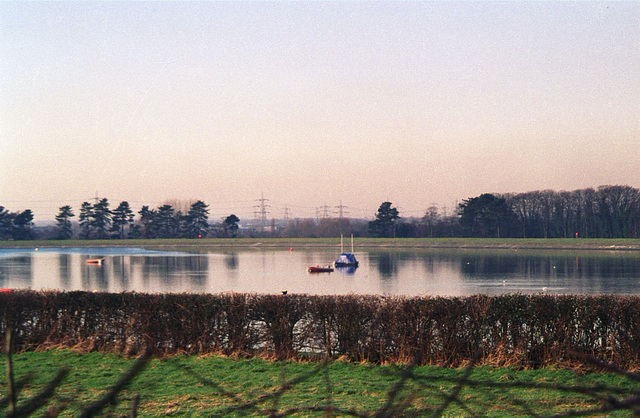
[
  {"x": 604, "y": 212},
  {"x": 16, "y": 225},
  {"x": 98, "y": 221}
]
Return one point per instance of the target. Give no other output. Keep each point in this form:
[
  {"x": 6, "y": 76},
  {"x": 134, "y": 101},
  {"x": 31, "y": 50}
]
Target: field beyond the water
[
  {"x": 221, "y": 386},
  {"x": 359, "y": 243}
]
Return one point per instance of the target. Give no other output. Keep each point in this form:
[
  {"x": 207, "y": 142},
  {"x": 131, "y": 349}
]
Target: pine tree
[
  {"x": 121, "y": 217},
  {"x": 196, "y": 220},
  {"x": 166, "y": 222},
  {"x": 385, "y": 222},
  {"x": 86, "y": 215},
  {"x": 64, "y": 224},
  {"x": 101, "y": 218},
  {"x": 22, "y": 223}
]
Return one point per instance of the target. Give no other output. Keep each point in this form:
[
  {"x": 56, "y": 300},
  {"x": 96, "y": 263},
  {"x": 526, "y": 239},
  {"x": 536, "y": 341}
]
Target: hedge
[{"x": 517, "y": 330}]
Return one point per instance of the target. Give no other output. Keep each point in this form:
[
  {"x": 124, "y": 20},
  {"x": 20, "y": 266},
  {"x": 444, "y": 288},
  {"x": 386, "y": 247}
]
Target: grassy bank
[
  {"x": 360, "y": 243},
  {"x": 213, "y": 385}
]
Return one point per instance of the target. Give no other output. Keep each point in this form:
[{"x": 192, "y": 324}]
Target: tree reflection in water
[
  {"x": 174, "y": 270},
  {"x": 64, "y": 268},
  {"x": 16, "y": 272},
  {"x": 388, "y": 264},
  {"x": 94, "y": 277},
  {"x": 231, "y": 261},
  {"x": 395, "y": 271}
]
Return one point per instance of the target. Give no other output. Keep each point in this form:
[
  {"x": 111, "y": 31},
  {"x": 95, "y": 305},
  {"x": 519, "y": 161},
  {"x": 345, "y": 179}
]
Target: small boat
[
  {"x": 346, "y": 259},
  {"x": 97, "y": 261},
  {"x": 320, "y": 269}
]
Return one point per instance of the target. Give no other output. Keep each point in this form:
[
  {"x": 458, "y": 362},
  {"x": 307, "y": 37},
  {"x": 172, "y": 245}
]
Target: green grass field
[
  {"x": 219, "y": 386},
  {"x": 360, "y": 243}
]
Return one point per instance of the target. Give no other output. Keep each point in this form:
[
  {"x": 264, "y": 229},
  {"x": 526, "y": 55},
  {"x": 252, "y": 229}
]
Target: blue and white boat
[{"x": 346, "y": 259}]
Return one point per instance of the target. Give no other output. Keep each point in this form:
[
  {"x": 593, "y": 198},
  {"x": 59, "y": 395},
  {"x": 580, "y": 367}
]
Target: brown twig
[
  {"x": 10, "y": 378},
  {"x": 453, "y": 396},
  {"x": 134, "y": 406},
  {"x": 605, "y": 365},
  {"x": 41, "y": 398},
  {"x": 123, "y": 382}
]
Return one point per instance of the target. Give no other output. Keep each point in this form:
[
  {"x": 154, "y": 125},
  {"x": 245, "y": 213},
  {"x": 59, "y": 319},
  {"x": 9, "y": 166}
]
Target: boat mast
[
  {"x": 352, "y": 243},
  {"x": 341, "y": 243}
]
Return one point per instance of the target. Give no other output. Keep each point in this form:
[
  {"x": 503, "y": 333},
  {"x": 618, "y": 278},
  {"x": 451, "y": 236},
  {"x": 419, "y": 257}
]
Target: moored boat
[
  {"x": 346, "y": 259},
  {"x": 320, "y": 269},
  {"x": 97, "y": 261}
]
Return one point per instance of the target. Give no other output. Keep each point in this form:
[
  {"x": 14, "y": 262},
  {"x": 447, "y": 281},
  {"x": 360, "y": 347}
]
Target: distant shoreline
[{"x": 600, "y": 244}]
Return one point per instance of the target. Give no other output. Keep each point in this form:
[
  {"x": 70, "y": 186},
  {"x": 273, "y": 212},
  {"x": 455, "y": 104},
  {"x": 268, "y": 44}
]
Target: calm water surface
[{"x": 394, "y": 272}]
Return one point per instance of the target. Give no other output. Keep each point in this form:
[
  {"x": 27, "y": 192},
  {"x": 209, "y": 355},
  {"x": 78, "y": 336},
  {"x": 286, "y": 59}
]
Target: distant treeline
[
  {"x": 517, "y": 330},
  {"x": 604, "y": 212}
]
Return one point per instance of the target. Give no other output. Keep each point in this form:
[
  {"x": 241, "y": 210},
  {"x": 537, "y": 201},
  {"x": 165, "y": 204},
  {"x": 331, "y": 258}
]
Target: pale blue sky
[{"x": 314, "y": 103}]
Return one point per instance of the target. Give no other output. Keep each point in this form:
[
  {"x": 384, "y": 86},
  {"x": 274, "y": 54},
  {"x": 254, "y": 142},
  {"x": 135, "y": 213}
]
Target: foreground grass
[
  {"x": 360, "y": 243},
  {"x": 183, "y": 386}
]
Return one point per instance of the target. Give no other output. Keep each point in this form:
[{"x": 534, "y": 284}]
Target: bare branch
[{"x": 123, "y": 382}]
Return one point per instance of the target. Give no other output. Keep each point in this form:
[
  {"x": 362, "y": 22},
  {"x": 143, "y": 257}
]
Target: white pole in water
[
  {"x": 341, "y": 243},
  {"x": 351, "y": 243}
]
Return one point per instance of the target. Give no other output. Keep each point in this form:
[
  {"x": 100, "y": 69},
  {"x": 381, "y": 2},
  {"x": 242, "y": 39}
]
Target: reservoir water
[{"x": 393, "y": 272}]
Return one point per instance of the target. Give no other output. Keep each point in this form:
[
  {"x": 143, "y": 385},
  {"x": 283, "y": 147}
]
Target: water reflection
[
  {"x": 387, "y": 264},
  {"x": 492, "y": 265},
  {"x": 64, "y": 270},
  {"x": 94, "y": 277},
  {"x": 171, "y": 269},
  {"x": 406, "y": 272},
  {"x": 18, "y": 270},
  {"x": 488, "y": 266},
  {"x": 231, "y": 261},
  {"x": 350, "y": 270},
  {"x": 121, "y": 270}
]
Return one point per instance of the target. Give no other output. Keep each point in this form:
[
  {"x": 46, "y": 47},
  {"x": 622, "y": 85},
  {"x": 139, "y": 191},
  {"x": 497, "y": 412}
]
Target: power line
[
  {"x": 342, "y": 210},
  {"x": 322, "y": 211},
  {"x": 261, "y": 211}
]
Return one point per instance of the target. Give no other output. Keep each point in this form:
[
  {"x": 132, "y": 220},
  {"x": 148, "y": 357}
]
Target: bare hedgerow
[{"x": 527, "y": 331}]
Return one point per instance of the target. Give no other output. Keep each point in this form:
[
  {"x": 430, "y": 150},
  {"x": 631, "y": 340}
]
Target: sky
[{"x": 316, "y": 103}]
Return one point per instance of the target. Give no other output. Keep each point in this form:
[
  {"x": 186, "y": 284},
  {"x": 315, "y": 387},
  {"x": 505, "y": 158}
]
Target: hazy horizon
[{"x": 314, "y": 103}]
